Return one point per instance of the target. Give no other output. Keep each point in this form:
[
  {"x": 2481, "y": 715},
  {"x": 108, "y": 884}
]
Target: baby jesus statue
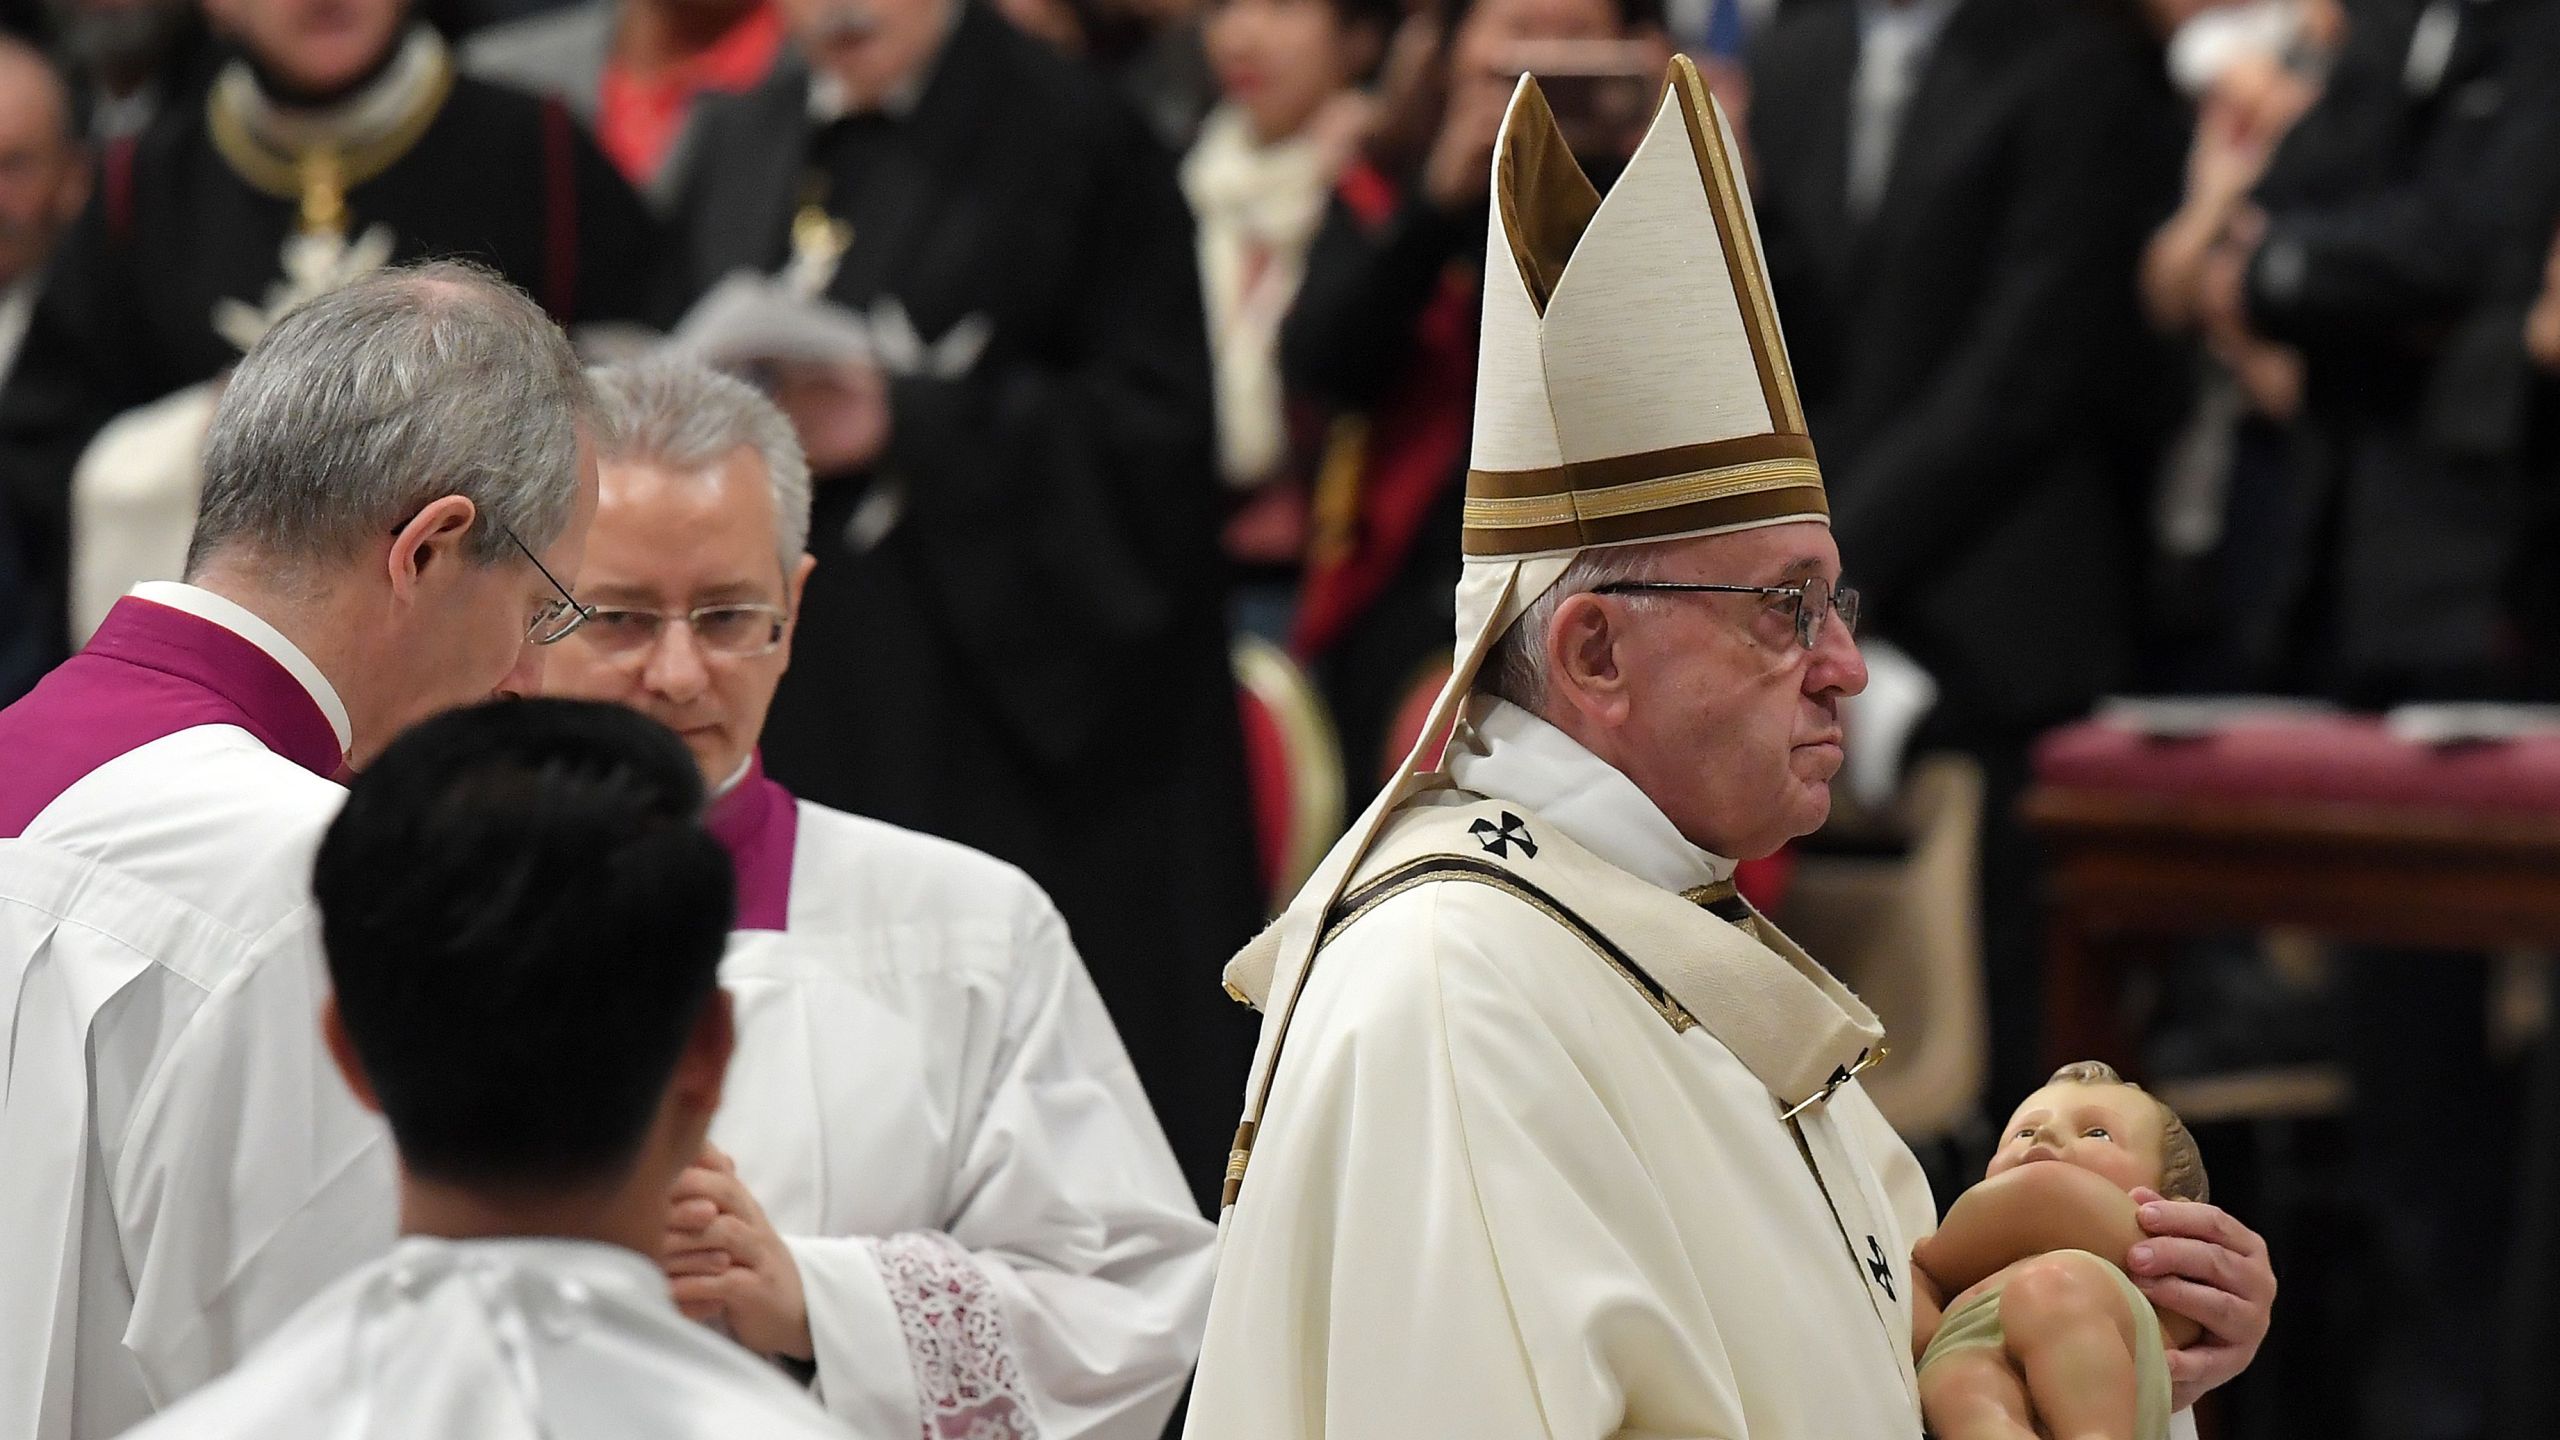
[{"x": 2026, "y": 1324}]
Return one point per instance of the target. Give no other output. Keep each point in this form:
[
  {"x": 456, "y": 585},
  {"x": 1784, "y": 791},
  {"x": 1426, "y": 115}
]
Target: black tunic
[
  {"x": 1032, "y": 660},
  {"x": 127, "y": 314}
]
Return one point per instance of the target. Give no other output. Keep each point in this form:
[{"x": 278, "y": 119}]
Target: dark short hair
[{"x": 524, "y": 918}]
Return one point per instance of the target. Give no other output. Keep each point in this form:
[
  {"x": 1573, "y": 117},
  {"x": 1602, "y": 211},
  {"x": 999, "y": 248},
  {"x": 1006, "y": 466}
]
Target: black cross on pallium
[
  {"x": 1880, "y": 1267},
  {"x": 1498, "y": 839}
]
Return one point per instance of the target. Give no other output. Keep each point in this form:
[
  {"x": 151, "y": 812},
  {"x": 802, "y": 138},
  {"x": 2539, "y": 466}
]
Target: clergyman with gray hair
[
  {"x": 840, "y": 1207},
  {"x": 397, "y": 490}
]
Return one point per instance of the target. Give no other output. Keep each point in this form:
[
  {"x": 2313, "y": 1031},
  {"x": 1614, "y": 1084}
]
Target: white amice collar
[{"x": 1501, "y": 749}]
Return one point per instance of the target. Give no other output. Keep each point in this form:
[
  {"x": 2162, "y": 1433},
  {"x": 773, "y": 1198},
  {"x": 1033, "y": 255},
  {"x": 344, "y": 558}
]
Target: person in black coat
[
  {"x": 1014, "y": 636},
  {"x": 2388, "y": 218},
  {"x": 2400, "y": 231},
  {"x": 360, "y": 146},
  {"x": 1953, "y": 195}
]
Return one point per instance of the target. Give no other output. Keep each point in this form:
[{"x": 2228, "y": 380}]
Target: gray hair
[
  {"x": 1517, "y": 668},
  {"x": 362, "y": 407},
  {"x": 679, "y": 414}
]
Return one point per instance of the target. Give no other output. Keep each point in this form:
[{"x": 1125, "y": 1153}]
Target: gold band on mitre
[{"x": 1629, "y": 499}]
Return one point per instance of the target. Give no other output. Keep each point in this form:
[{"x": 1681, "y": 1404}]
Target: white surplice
[
  {"x": 932, "y": 1106},
  {"x": 1524, "y": 1171},
  {"x": 514, "y": 1339},
  {"x": 183, "y": 1164}
]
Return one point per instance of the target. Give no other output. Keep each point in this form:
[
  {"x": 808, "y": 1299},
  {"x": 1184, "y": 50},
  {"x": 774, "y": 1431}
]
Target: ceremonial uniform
[
  {"x": 932, "y": 1107},
  {"x": 184, "y": 1164}
]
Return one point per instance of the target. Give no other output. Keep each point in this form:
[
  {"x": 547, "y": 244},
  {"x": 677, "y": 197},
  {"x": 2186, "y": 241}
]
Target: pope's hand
[
  {"x": 724, "y": 1260},
  {"x": 2201, "y": 1263}
]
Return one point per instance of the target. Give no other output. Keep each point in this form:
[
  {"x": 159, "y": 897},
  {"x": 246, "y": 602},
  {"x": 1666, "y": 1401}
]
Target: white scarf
[
  {"x": 1507, "y": 752},
  {"x": 1252, "y": 200}
]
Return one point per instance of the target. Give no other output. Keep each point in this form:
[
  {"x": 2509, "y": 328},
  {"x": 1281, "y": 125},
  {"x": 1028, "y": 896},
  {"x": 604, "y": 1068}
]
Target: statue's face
[{"x": 2111, "y": 1130}]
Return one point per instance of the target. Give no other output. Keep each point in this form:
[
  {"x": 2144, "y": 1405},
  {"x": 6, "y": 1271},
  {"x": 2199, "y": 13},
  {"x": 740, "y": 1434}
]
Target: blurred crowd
[{"x": 2147, "y": 344}]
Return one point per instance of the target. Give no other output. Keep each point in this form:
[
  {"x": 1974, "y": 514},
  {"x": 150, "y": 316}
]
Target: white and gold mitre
[
  {"x": 1631, "y": 384},
  {"x": 1631, "y": 387}
]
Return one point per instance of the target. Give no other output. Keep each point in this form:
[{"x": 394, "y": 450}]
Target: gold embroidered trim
[
  {"x": 1530, "y": 511},
  {"x": 1741, "y": 248},
  {"x": 1436, "y": 868},
  {"x": 1546, "y": 201},
  {"x": 1237, "y": 1159},
  {"x": 1705, "y": 895}
]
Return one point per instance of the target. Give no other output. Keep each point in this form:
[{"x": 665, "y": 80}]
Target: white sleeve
[
  {"x": 1443, "y": 1231},
  {"x": 1064, "y": 1297},
  {"x": 252, "y": 1178}
]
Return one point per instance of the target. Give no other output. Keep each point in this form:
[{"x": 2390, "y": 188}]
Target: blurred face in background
[
  {"x": 120, "y": 42},
  {"x": 44, "y": 175},
  {"x": 1493, "y": 29},
  {"x": 318, "y": 47},
  {"x": 871, "y": 47},
  {"x": 1279, "y": 61}
]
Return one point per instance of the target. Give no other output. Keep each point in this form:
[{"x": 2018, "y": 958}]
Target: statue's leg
[
  {"x": 1976, "y": 1394},
  {"x": 2071, "y": 1333}
]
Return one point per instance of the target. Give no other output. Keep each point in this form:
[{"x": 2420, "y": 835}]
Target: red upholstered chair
[
  {"x": 1293, "y": 765},
  {"x": 2325, "y": 822}
]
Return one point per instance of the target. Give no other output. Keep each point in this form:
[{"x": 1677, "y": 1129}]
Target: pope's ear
[{"x": 1584, "y": 669}]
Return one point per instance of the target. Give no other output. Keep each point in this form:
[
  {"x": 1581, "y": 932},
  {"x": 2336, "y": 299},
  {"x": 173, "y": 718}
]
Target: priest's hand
[
  {"x": 2201, "y": 1263},
  {"x": 841, "y": 412},
  {"x": 724, "y": 1260}
]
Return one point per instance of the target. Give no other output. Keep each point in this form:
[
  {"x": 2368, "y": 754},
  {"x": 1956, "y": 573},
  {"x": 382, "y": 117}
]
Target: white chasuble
[
  {"x": 1524, "y": 1172},
  {"x": 933, "y": 1108},
  {"x": 506, "y": 1339},
  {"x": 183, "y": 1165}
]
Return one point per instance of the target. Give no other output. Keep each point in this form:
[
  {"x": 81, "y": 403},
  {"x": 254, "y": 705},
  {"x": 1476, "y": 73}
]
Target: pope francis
[{"x": 1549, "y": 1134}]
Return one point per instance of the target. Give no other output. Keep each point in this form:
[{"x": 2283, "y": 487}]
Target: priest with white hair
[
  {"x": 935, "y": 1189},
  {"x": 1549, "y": 1133}
]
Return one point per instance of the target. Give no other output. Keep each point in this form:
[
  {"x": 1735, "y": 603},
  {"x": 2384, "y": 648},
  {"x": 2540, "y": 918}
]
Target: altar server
[{"x": 937, "y": 1187}]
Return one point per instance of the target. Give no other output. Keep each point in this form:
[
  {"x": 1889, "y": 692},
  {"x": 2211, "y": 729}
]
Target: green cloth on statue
[{"x": 1976, "y": 1324}]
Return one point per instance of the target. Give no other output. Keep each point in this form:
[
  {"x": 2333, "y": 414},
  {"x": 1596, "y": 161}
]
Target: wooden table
[{"x": 2326, "y": 823}]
